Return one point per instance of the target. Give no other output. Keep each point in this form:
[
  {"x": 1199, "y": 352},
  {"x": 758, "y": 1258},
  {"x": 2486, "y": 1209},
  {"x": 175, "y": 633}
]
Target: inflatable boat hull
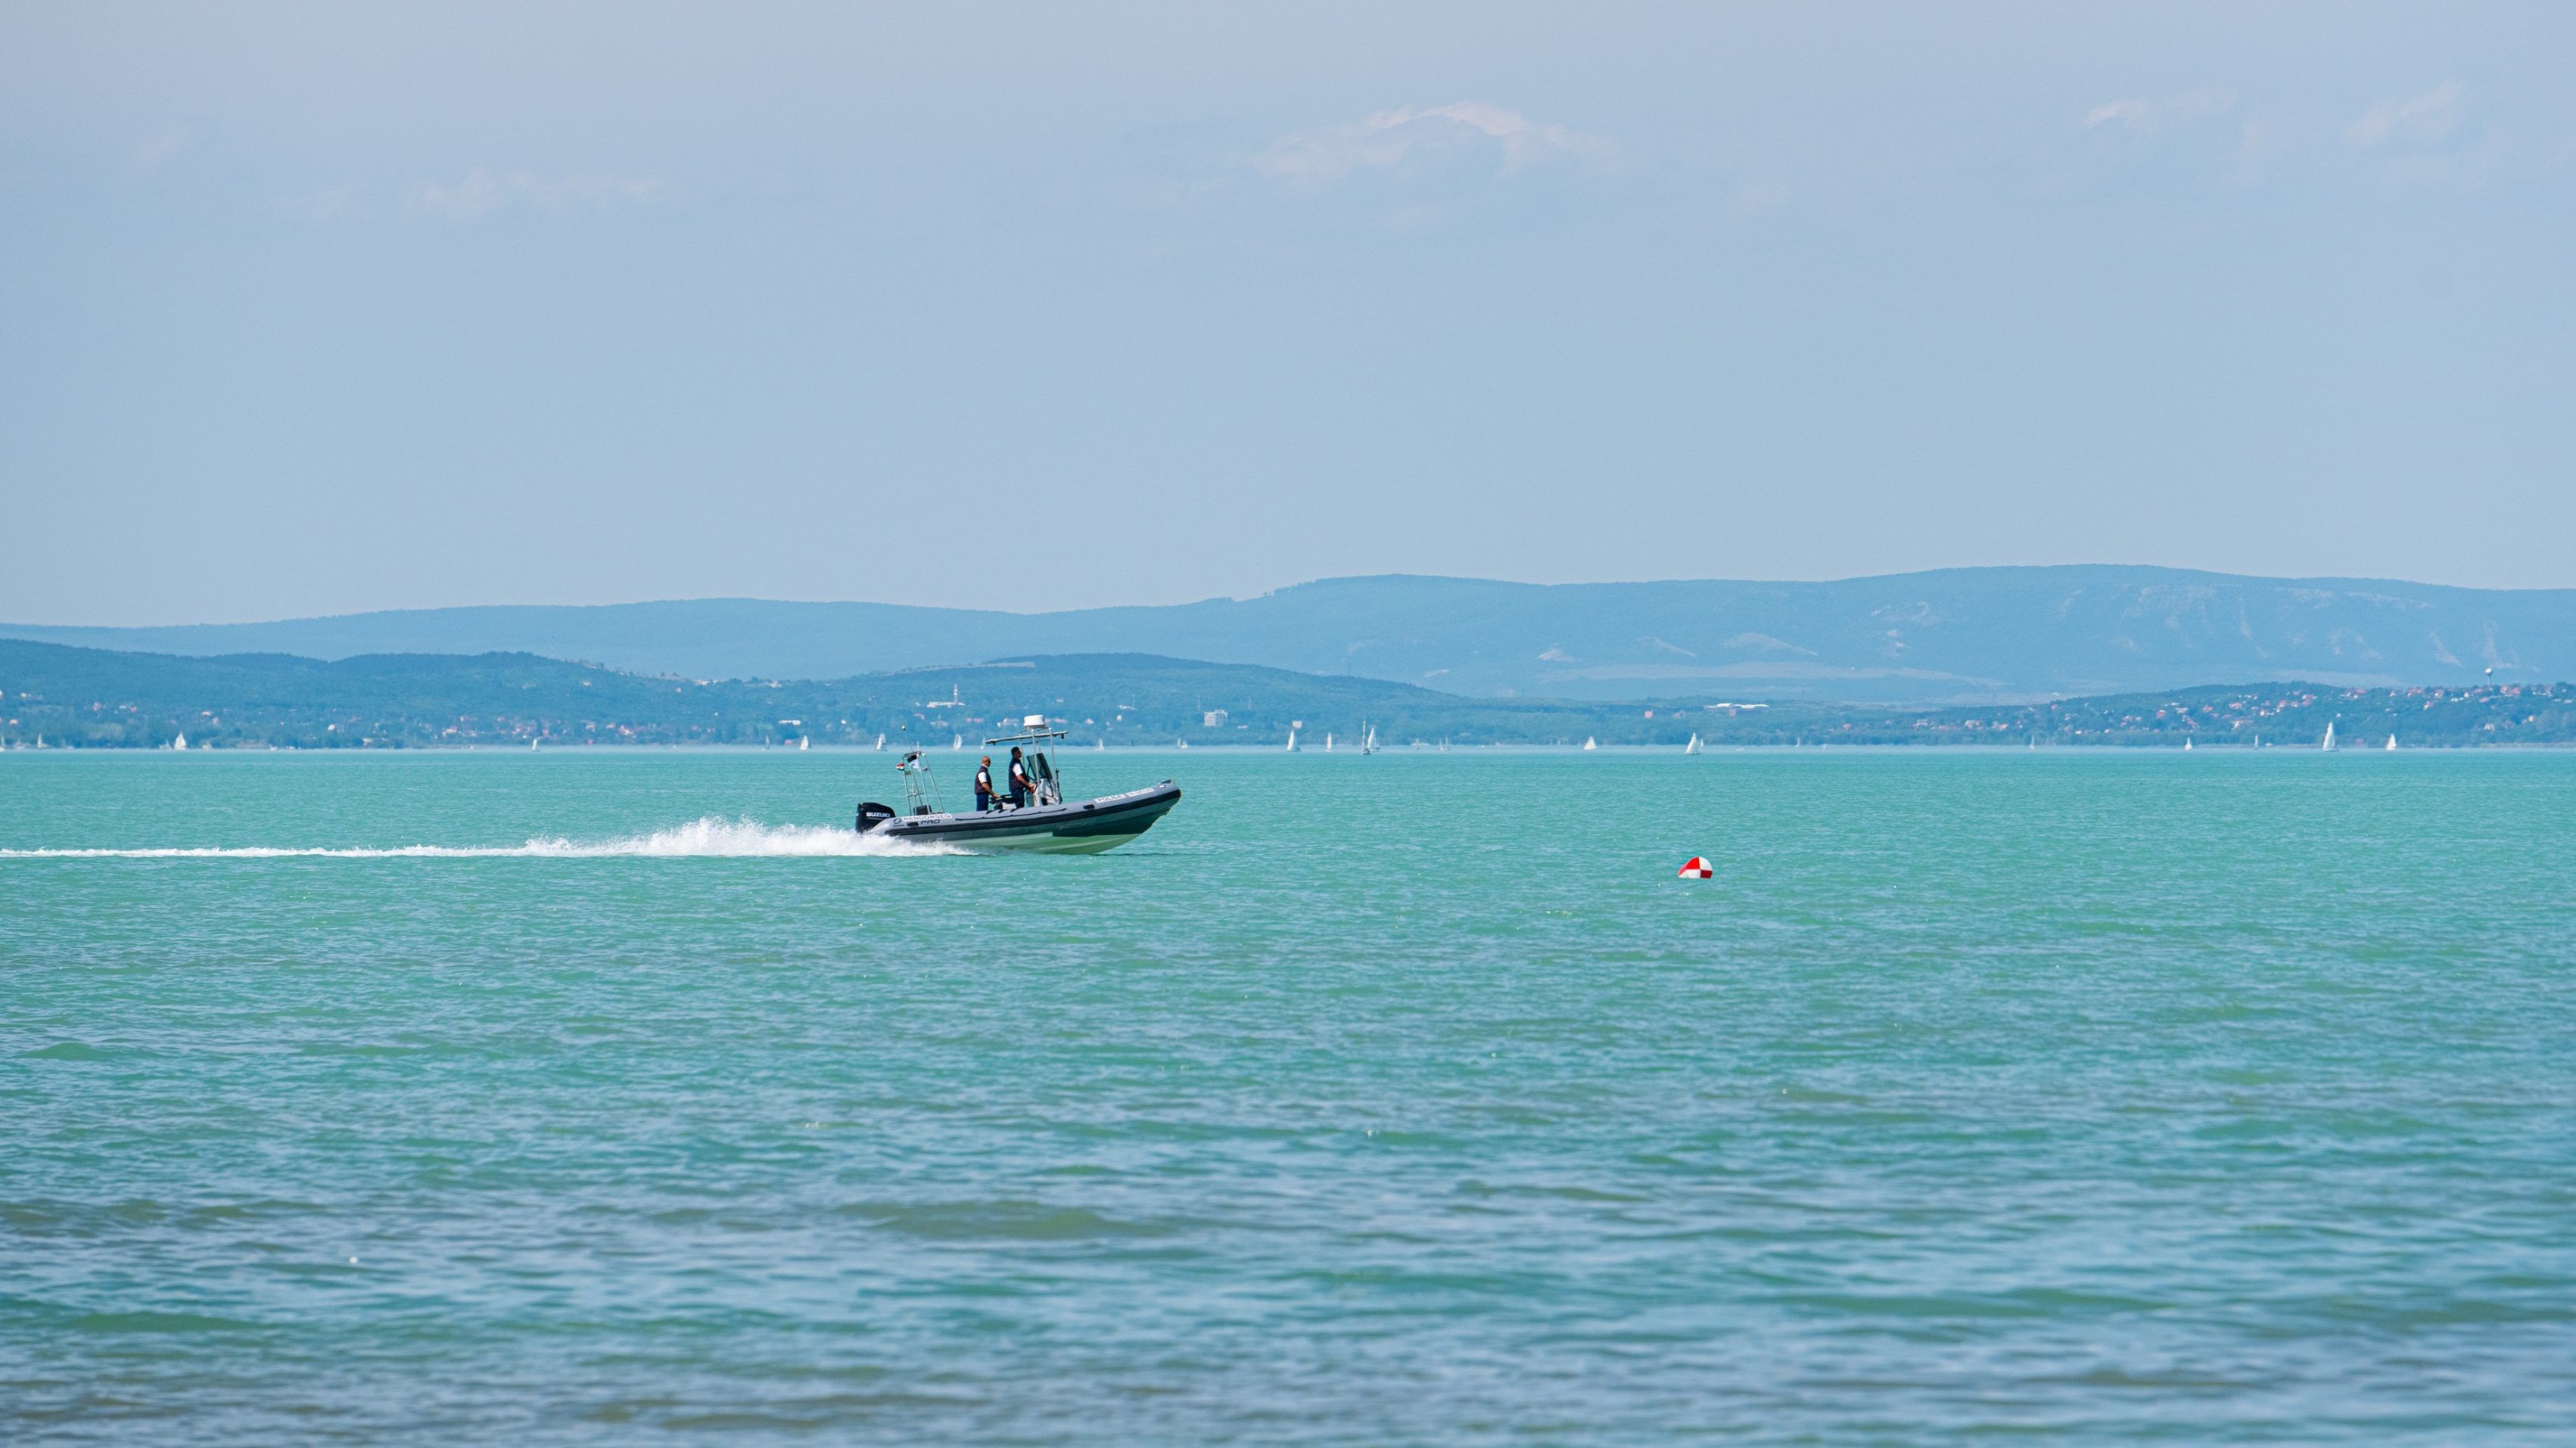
[{"x": 1076, "y": 827}]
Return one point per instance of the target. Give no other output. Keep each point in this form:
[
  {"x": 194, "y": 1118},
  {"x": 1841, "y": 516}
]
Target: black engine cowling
[{"x": 872, "y": 815}]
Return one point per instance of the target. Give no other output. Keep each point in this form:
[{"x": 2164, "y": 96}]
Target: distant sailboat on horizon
[
  {"x": 802, "y": 741},
  {"x": 2186, "y": 744},
  {"x": 1292, "y": 741},
  {"x": 956, "y": 741},
  {"x": 1328, "y": 743},
  {"x": 1693, "y": 746},
  {"x": 880, "y": 744},
  {"x": 179, "y": 743},
  {"x": 2328, "y": 746},
  {"x": 1368, "y": 737},
  {"x": 1590, "y": 744},
  {"x": 2392, "y": 741}
]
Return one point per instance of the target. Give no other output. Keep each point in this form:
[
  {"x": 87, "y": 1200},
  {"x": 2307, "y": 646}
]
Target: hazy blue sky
[{"x": 322, "y": 308}]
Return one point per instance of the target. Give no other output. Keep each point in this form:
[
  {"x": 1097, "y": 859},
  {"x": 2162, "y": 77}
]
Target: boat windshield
[{"x": 1050, "y": 786}]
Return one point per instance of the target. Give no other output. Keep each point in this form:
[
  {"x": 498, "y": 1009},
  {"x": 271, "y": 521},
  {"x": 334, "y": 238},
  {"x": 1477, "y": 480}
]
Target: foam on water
[{"x": 707, "y": 837}]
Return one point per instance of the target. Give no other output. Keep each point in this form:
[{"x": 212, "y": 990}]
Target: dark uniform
[
  {"x": 1023, "y": 793},
  {"x": 984, "y": 785}
]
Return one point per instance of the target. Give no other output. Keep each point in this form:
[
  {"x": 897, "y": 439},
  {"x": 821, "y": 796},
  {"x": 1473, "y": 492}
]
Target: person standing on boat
[
  {"x": 1023, "y": 793},
  {"x": 984, "y": 785}
]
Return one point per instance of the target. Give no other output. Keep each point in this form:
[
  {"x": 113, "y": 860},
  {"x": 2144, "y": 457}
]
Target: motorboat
[{"x": 1049, "y": 824}]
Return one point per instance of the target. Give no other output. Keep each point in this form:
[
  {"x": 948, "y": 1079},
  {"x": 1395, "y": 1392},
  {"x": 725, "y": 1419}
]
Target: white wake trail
[{"x": 707, "y": 838}]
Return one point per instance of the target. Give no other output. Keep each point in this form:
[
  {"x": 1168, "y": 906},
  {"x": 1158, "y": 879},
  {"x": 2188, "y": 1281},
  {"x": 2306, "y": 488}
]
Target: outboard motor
[{"x": 872, "y": 815}]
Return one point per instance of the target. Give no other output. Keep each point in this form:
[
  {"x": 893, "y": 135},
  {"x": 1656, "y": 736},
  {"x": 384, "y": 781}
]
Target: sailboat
[
  {"x": 1693, "y": 746},
  {"x": 1100, "y": 744},
  {"x": 802, "y": 741},
  {"x": 2329, "y": 744},
  {"x": 1589, "y": 744},
  {"x": 2392, "y": 741},
  {"x": 2186, "y": 744},
  {"x": 956, "y": 741},
  {"x": 1328, "y": 744},
  {"x": 1292, "y": 741},
  {"x": 1368, "y": 737},
  {"x": 179, "y": 743},
  {"x": 880, "y": 744}
]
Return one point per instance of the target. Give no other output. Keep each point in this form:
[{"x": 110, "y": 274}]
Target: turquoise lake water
[{"x": 1409, "y": 1099}]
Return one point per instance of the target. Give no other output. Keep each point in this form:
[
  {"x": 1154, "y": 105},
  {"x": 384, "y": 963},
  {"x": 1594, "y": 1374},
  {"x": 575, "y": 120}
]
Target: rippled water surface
[{"x": 1408, "y": 1099}]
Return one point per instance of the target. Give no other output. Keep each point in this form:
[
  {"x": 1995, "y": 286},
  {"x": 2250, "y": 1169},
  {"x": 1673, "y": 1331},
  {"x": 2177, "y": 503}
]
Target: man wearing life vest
[
  {"x": 984, "y": 785},
  {"x": 1023, "y": 793}
]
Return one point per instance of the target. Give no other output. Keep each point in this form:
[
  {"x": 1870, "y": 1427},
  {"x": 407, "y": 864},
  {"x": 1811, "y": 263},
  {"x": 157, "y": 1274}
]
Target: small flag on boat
[{"x": 1696, "y": 868}]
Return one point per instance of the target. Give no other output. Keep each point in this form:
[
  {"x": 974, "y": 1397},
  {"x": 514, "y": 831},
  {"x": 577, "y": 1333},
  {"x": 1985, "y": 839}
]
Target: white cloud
[
  {"x": 1389, "y": 139},
  {"x": 2415, "y": 120},
  {"x": 2150, "y": 116},
  {"x": 485, "y": 192}
]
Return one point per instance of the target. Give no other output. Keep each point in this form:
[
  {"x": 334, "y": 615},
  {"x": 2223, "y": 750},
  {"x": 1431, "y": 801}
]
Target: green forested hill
[{"x": 93, "y": 698}]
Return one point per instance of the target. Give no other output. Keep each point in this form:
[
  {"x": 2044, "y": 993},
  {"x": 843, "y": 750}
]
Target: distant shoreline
[{"x": 92, "y": 698}]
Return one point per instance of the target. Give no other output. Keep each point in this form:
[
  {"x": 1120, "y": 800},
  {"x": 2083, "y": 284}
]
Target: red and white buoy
[{"x": 1696, "y": 868}]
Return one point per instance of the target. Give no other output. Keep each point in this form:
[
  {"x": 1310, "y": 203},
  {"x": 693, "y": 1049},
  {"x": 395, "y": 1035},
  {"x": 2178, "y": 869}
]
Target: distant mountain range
[{"x": 1969, "y": 635}]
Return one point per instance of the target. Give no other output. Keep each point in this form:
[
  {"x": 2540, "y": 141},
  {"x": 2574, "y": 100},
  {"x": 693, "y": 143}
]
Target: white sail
[
  {"x": 956, "y": 741},
  {"x": 1693, "y": 746},
  {"x": 1328, "y": 744},
  {"x": 1588, "y": 742},
  {"x": 2329, "y": 744},
  {"x": 2186, "y": 744},
  {"x": 2392, "y": 741},
  {"x": 802, "y": 741},
  {"x": 179, "y": 743},
  {"x": 1292, "y": 741},
  {"x": 880, "y": 744}
]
